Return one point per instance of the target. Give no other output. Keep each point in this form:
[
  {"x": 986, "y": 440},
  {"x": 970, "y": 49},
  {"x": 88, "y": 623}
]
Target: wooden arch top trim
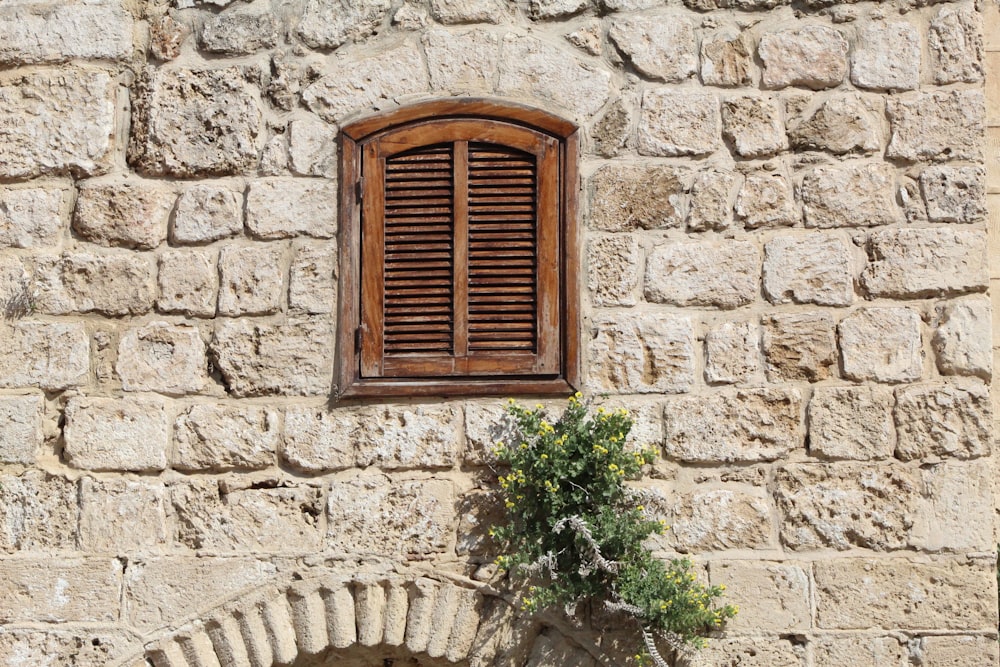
[{"x": 460, "y": 107}]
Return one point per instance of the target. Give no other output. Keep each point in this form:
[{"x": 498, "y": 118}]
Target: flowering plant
[{"x": 575, "y": 531}]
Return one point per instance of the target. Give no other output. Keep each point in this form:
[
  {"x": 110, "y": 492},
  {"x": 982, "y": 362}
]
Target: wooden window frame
[{"x": 562, "y": 374}]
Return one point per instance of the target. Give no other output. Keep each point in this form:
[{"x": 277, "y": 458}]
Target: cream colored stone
[
  {"x": 112, "y": 283},
  {"x": 469, "y": 11},
  {"x": 956, "y": 650},
  {"x": 613, "y": 130},
  {"x": 724, "y": 275},
  {"x": 327, "y": 24},
  {"x": 401, "y": 438},
  {"x": 485, "y": 424},
  {"x": 461, "y": 62},
  {"x": 162, "y": 357},
  {"x": 67, "y": 589},
  {"x": 551, "y": 9},
  {"x": 881, "y": 344},
  {"x": 21, "y": 428},
  {"x": 312, "y": 279},
  {"x": 719, "y": 519},
  {"x": 188, "y": 282},
  {"x": 962, "y": 340},
  {"x": 852, "y": 423},
  {"x": 613, "y": 270},
  {"x": 771, "y": 596},
  {"x": 238, "y": 33},
  {"x": 712, "y": 198},
  {"x": 943, "y": 420},
  {"x": 627, "y": 197},
  {"x": 166, "y": 35},
  {"x": 122, "y": 516},
  {"x": 747, "y": 652},
  {"x": 280, "y": 208},
  {"x": 859, "y": 650},
  {"x": 727, "y": 58},
  {"x": 224, "y": 437},
  {"x": 840, "y": 124},
  {"x": 44, "y": 355},
  {"x": 809, "y": 269},
  {"x": 64, "y": 31},
  {"x": 915, "y": 263},
  {"x": 318, "y": 440},
  {"x": 887, "y": 56},
  {"x": 733, "y": 354},
  {"x": 61, "y": 648},
  {"x": 660, "y": 46},
  {"x": 679, "y": 122},
  {"x": 938, "y": 126},
  {"x": 250, "y": 279},
  {"x": 312, "y": 148},
  {"x": 954, "y": 194},
  {"x": 853, "y": 195},
  {"x": 588, "y": 37},
  {"x": 640, "y": 354},
  {"x": 32, "y": 217},
  {"x": 955, "y": 43},
  {"x": 205, "y": 214},
  {"x": 753, "y": 126},
  {"x": 813, "y": 56},
  {"x": 953, "y": 493},
  {"x": 766, "y": 200},
  {"x": 130, "y": 433},
  {"x": 799, "y": 346},
  {"x": 38, "y": 512}
]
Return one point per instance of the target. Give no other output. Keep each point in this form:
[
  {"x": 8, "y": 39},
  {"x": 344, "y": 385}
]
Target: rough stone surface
[
  {"x": 327, "y": 24},
  {"x": 56, "y": 122},
  {"x": 727, "y": 59},
  {"x": 117, "y": 283},
  {"x": 679, "y": 122},
  {"x": 943, "y": 420},
  {"x": 813, "y": 56},
  {"x": 474, "y": 11},
  {"x": 166, "y": 35},
  {"x": 887, "y": 56},
  {"x": 953, "y": 492},
  {"x": 46, "y": 355},
  {"x": 250, "y": 279},
  {"x": 766, "y": 200},
  {"x": 484, "y": 426},
  {"x": 614, "y": 264},
  {"x": 748, "y": 652},
  {"x": 32, "y": 217},
  {"x": 195, "y": 122},
  {"x": 38, "y": 512},
  {"x": 662, "y": 47},
  {"x": 955, "y": 43},
  {"x": 753, "y": 126},
  {"x": 850, "y": 196},
  {"x": 852, "y": 423},
  {"x": 627, "y": 197},
  {"x": 240, "y": 33},
  {"x": 613, "y": 130},
  {"x": 916, "y": 263},
  {"x": 205, "y": 214},
  {"x": 162, "y": 357},
  {"x": 281, "y": 208},
  {"x": 641, "y": 354},
  {"x": 718, "y": 519},
  {"x": 808, "y": 269},
  {"x": 66, "y": 31},
  {"x": 859, "y": 650},
  {"x": 733, "y": 425},
  {"x": 957, "y": 650},
  {"x": 962, "y": 339},
  {"x": 462, "y": 62},
  {"x": 712, "y": 197},
  {"x": 938, "y": 126},
  {"x": 225, "y": 437},
  {"x": 312, "y": 148},
  {"x": 692, "y": 274},
  {"x": 58, "y": 591},
  {"x": 733, "y": 354},
  {"x": 954, "y": 194},
  {"x": 20, "y": 428},
  {"x": 401, "y": 438},
  {"x": 772, "y": 597},
  {"x": 122, "y": 516},
  {"x": 799, "y": 346},
  {"x": 312, "y": 286},
  {"x": 318, "y": 440},
  {"x": 69, "y": 648},
  {"x": 840, "y": 125},
  {"x": 550, "y": 9},
  {"x": 117, "y": 433},
  {"x": 881, "y": 344},
  {"x": 261, "y": 358},
  {"x": 188, "y": 282}
]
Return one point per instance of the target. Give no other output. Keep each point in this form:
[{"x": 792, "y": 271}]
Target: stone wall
[{"x": 786, "y": 269}]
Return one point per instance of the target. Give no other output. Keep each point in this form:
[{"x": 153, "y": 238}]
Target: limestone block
[
  {"x": 628, "y": 5},
  {"x": 162, "y": 590},
  {"x": 733, "y": 425},
  {"x": 478, "y": 512},
  {"x": 129, "y": 433},
  {"x": 32, "y": 217},
  {"x": 195, "y": 122},
  {"x": 262, "y": 358},
  {"x": 956, "y": 650},
  {"x": 614, "y": 264},
  {"x": 727, "y": 58},
  {"x": 813, "y": 56},
  {"x": 188, "y": 282},
  {"x": 61, "y": 590},
  {"x": 712, "y": 198},
  {"x": 52, "y": 33},
  {"x": 44, "y": 355},
  {"x": 460, "y": 62},
  {"x": 166, "y": 36},
  {"x": 724, "y": 275},
  {"x": 852, "y": 423},
  {"x": 485, "y": 424},
  {"x": 661, "y": 47},
  {"x": 238, "y": 33},
  {"x": 61, "y": 648},
  {"x": 38, "y": 511},
  {"x": 281, "y": 208},
  {"x": 312, "y": 285},
  {"x": 21, "y": 428},
  {"x": 642, "y": 353},
  {"x": 374, "y": 514},
  {"x": 225, "y": 437},
  {"x": 887, "y": 56},
  {"x": 472, "y": 11},
  {"x": 401, "y": 437},
  {"x": 56, "y": 122},
  {"x": 938, "y": 126},
  {"x": 809, "y": 269},
  {"x": 941, "y": 595},
  {"x": 962, "y": 340},
  {"x": 251, "y": 279},
  {"x": 753, "y": 126},
  {"x": 115, "y": 283},
  {"x": 840, "y": 124},
  {"x": 954, "y": 194},
  {"x": 552, "y": 9},
  {"x": 318, "y": 440},
  {"x": 205, "y": 214},
  {"x": 943, "y": 420},
  {"x": 847, "y": 505},
  {"x": 613, "y": 130},
  {"x": 766, "y": 200},
  {"x": 917, "y": 263},
  {"x": 771, "y": 596},
  {"x": 162, "y": 357},
  {"x": 732, "y": 354},
  {"x": 881, "y": 344},
  {"x": 127, "y": 214},
  {"x": 312, "y": 148},
  {"x": 360, "y": 81},
  {"x": 532, "y": 68},
  {"x": 852, "y": 195},
  {"x": 122, "y": 516},
  {"x": 327, "y": 24},
  {"x": 679, "y": 122},
  {"x": 799, "y": 346},
  {"x": 859, "y": 650},
  {"x": 628, "y": 197},
  {"x": 719, "y": 519},
  {"x": 17, "y": 294},
  {"x": 748, "y": 652},
  {"x": 215, "y": 516},
  {"x": 955, "y": 42},
  {"x": 954, "y": 492}
]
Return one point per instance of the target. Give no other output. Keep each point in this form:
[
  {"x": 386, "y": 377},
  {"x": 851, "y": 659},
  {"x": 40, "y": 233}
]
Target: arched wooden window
[{"x": 458, "y": 252}]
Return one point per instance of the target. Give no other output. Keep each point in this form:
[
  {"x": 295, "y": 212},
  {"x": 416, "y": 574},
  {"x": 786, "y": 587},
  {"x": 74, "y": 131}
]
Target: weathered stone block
[
  {"x": 881, "y": 344},
  {"x": 733, "y": 425},
  {"x": 859, "y": 650},
  {"x": 205, "y": 214},
  {"x": 661, "y": 47},
  {"x": 955, "y": 42},
  {"x": 613, "y": 269},
  {"x": 962, "y": 340},
  {"x": 312, "y": 148},
  {"x": 127, "y": 214},
  {"x": 954, "y": 194},
  {"x": 751, "y": 652},
  {"x": 917, "y": 263},
  {"x": 813, "y": 56},
  {"x": 327, "y": 24},
  {"x": 724, "y": 275},
  {"x": 484, "y": 426},
  {"x": 954, "y": 492},
  {"x": 318, "y": 440},
  {"x": 281, "y": 208},
  {"x": 679, "y": 122},
  {"x": 772, "y": 597},
  {"x": 478, "y": 512},
  {"x": 753, "y": 126},
  {"x": 809, "y": 269},
  {"x": 474, "y": 11},
  {"x": 467, "y": 61},
  {"x": 627, "y": 197},
  {"x": 251, "y": 279},
  {"x": 956, "y": 650},
  {"x": 727, "y": 58},
  {"x": 195, "y": 122},
  {"x": 938, "y": 126},
  {"x": 117, "y": 434},
  {"x": 188, "y": 282},
  {"x": 32, "y": 33},
  {"x": 640, "y": 354},
  {"x": 225, "y": 437},
  {"x": 162, "y": 357},
  {"x": 733, "y": 354},
  {"x": 67, "y": 589},
  {"x": 238, "y": 33},
  {"x": 840, "y": 124},
  {"x": 401, "y": 438},
  {"x": 166, "y": 35},
  {"x": 887, "y": 56},
  {"x": 852, "y": 423},
  {"x": 766, "y": 200},
  {"x": 612, "y": 130},
  {"x": 122, "y": 516},
  {"x": 312, "y": 285},
  {"x": 56, "y": 122},
  {"x": 261, "y": 358},
  {"x": 943, "y": 420},
  {"x": 719, "y": 519},
  {"x": 850, "y": 196},
  {"x": 799, "y": 346},
  {"x": 38, "y": 511},
  {"x": 551, "y": 9},
  {"x": 712, "y": 197},
  {"x": 117, "y": 283},
  {"x": 44, "y": 355},
  {"x": 77, "y": 647},
  {"x": 20, "y": 428},
  {"x": 32, "y": 217}
]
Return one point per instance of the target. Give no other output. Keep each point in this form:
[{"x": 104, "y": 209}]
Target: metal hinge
[
  {"x": 359, "y": 188},
  {"x": 357, "y": 341}
]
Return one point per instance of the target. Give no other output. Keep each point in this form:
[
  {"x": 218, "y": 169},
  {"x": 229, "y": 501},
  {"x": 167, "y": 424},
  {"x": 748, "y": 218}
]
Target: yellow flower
[
  {"x": 544, "y": 457},
  {"x": 640, "y": 507}
]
